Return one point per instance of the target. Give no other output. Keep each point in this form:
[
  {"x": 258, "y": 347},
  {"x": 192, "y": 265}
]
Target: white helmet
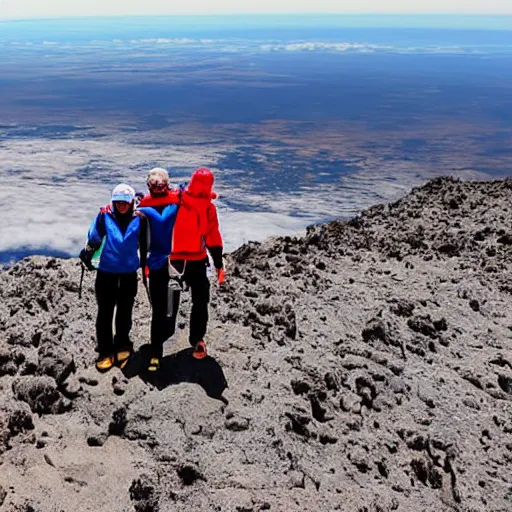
[{"x": 122, "y": 192}]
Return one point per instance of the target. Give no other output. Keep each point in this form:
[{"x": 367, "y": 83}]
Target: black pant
[
  {"x": 114, "y": 290},
  {"x": 162, "y": 326},
  {"x": 196, "y": 279}
]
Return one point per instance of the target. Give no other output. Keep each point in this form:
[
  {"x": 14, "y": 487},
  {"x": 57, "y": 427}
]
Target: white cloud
[
  {"x": 346, "y": 47},
  {"x": 242, "y": 227},
  {"x": 157, "y": 49},
  {"x": 51, "y": 204}
]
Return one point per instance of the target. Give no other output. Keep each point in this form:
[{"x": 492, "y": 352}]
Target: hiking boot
[
  {"x": 122, "y": 358},
  {"x": 104, "y": 364},
  {"x": 199, "y": 350},
  {"x": 154, "y": 364}
]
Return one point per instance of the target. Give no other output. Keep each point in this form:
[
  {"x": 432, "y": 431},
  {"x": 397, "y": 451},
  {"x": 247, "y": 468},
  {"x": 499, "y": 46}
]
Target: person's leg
[
  {"x": 160, "y": 330},
  {"x": 106, "y": 293},
  {"x": 125, "y": 299},
  {"x": 197, "y": 280},
  {"x": 172, "y": 316}
]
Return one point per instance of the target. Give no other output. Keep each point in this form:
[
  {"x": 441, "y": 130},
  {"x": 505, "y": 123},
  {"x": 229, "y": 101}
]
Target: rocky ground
[{"x": 368, "y": 364}]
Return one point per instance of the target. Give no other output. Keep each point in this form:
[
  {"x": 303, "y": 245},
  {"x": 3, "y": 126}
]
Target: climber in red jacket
[{"x": 195, "y": 232}]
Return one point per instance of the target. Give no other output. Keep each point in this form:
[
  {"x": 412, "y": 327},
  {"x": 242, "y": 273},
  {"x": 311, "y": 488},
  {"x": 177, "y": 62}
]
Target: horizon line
[{"x": 348, "y": 14}]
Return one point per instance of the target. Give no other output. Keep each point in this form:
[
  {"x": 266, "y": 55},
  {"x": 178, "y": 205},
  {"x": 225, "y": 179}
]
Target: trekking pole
[{"x": 81, "y": 281}]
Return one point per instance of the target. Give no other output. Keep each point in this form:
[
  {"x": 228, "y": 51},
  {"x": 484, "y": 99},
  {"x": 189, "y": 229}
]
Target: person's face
[
  {"x": 122, "y": 207},
  {"x": 158, "y": 189}
]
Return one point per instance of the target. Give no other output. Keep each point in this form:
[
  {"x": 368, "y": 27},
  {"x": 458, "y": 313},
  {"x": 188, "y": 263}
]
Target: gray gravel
[{"x": 368, "y": 365}]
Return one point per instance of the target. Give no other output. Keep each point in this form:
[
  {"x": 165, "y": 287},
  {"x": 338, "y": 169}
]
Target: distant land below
[{"x": 302, "y": 119}]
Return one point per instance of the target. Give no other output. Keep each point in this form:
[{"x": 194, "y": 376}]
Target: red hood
[
  {"x": 201, "y": 184},
  {"x": 198, "y": 196},
  {"x": 171, "y": 198}
]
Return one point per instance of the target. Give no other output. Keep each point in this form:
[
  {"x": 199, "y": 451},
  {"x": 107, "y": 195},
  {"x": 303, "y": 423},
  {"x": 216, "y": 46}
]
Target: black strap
[
  {"x": 144, "y": 240},
  {"x": 144, "y": 243}
]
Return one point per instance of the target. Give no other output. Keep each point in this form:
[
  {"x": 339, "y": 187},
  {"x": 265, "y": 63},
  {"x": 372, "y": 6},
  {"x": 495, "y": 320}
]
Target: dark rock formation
[{"x": 369, "y": 366}]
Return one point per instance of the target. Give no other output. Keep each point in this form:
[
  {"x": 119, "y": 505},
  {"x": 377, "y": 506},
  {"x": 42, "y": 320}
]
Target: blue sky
[{"x": 33, "y": 9}]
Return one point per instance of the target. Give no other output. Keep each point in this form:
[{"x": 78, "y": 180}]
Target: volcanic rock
[{"x": 367, "y": 367}]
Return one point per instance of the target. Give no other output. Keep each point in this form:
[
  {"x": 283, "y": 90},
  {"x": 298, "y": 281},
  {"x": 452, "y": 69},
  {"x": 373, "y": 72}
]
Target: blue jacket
[
  {"x": 161, "y": 222},
  {"x": 120, "y": 251}
]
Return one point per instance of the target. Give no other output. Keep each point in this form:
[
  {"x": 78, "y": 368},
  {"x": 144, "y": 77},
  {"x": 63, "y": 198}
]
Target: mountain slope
[{"x": 369, "y": 368}]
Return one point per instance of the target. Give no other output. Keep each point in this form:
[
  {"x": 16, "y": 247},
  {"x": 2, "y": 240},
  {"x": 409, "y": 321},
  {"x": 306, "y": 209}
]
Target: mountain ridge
[{"x": 368, "y": 367}]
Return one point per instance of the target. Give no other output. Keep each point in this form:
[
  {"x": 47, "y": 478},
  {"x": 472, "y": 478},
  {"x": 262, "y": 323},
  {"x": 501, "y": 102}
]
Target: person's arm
[
  {"x": 97, "y": 231},
  {"x": 94, "y": 238},
  {"x": 214, "y": 243},
  {"x": 213, "y": 238}
]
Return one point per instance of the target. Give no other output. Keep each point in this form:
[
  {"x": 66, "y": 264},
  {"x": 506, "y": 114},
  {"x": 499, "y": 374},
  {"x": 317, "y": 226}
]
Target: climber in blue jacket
[
  {"x": 115, "y": 234},
  {"x": 159, "y": 209}
]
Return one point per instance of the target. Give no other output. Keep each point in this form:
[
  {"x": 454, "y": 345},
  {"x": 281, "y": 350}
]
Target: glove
[
  {"x": 216, "y": 254},
  {"x": 86, "y": 255},
  {"x": 221, "y": 275}
]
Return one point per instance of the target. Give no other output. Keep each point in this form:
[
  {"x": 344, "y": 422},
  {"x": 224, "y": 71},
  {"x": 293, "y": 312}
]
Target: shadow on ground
[{"x": 177, "y": 368}]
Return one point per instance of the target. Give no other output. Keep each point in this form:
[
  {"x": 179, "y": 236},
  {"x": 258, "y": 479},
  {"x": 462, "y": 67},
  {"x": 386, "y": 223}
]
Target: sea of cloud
[{"x": 54, "y": 188}]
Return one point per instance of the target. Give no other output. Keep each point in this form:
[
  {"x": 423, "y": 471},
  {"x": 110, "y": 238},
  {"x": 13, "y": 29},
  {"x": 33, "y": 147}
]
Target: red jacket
[{"x": 197, "y": 226}]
